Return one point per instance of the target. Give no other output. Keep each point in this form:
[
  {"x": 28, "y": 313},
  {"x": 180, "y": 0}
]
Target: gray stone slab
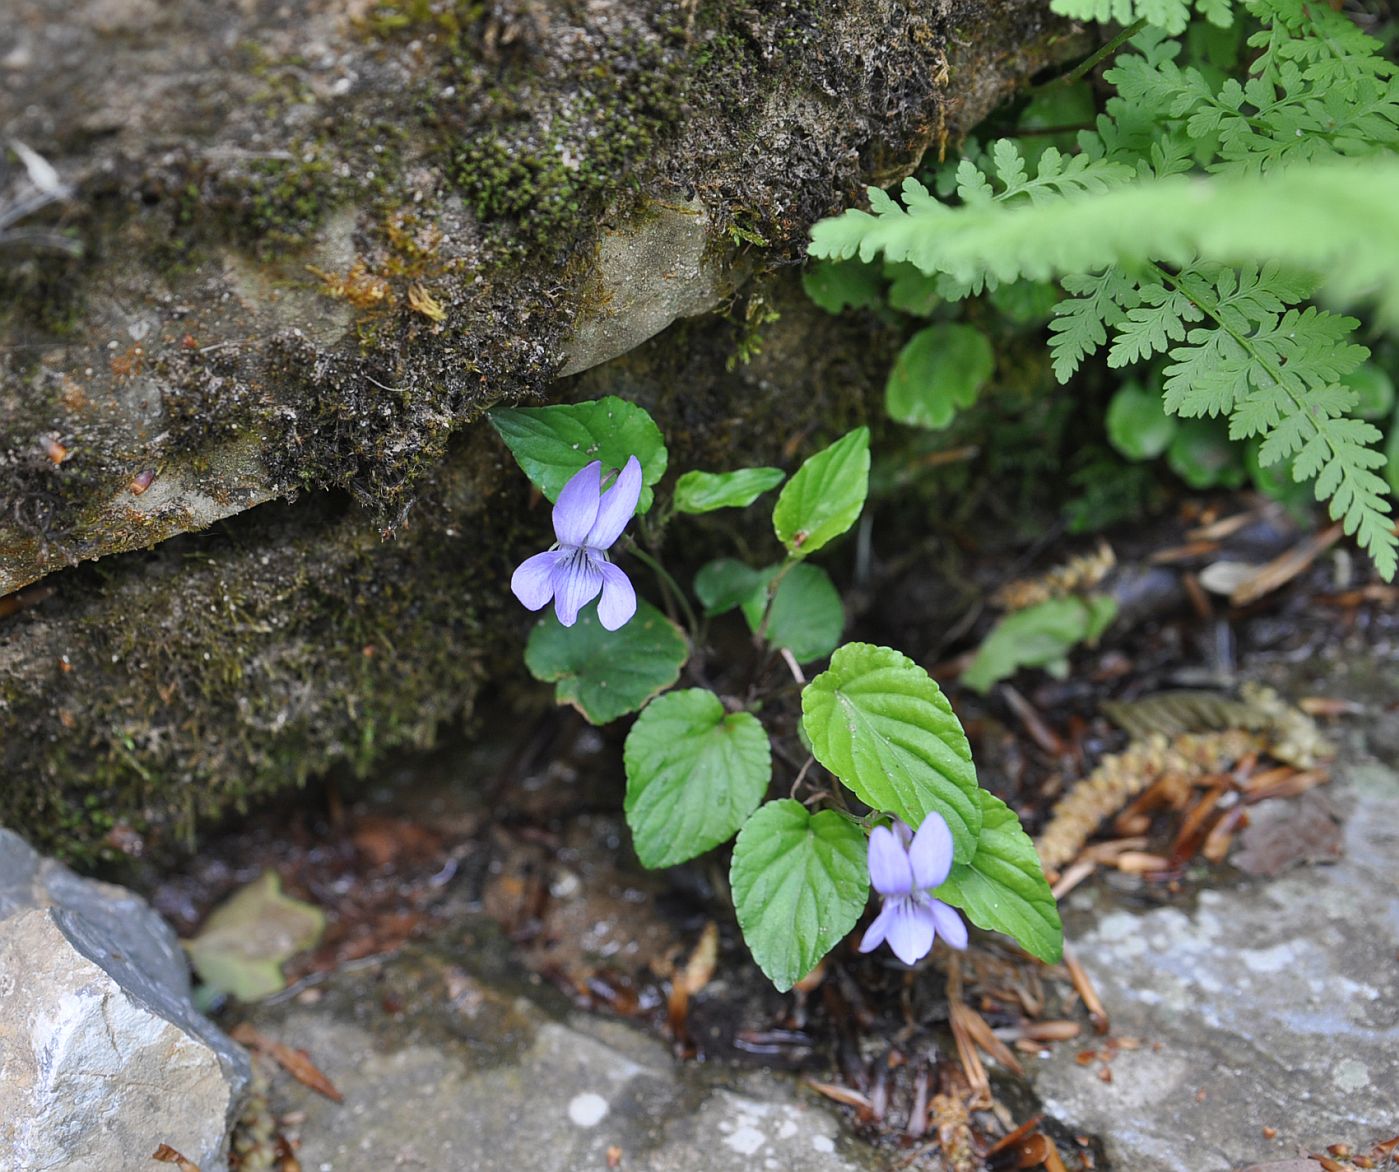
[
  {"x": 1271, "y": 1004},
  {"x": 491, "y": 1080}
]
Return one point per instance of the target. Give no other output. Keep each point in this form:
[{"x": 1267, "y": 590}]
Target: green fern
[
  {"x": 1197, "y": 221},
  {"x": 1171, "y": 15}
]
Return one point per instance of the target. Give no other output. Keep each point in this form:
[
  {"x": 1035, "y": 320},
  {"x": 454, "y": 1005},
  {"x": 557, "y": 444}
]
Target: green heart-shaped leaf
[
  {"x": 606, "y": 674},
  {"x": 552, "y": 443},
  {"x": 799, "y": 882},
  {"x": 694, "y": 774},
  {"x": 881, "y": 724}
]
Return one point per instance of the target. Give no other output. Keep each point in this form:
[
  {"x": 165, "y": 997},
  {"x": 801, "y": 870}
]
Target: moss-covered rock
[{"x": 316, "y": 248}]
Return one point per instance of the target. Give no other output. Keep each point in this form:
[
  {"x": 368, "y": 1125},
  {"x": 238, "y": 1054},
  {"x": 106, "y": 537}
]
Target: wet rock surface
[
  {"x": 316, "y": 239},
  {"x": 447, "y": 1058},
  {"x": 1258, "y": 1004},
  {"x": 103, "y": 1057}
]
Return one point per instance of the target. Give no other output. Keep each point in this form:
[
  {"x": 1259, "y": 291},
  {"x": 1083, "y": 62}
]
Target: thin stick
[{"x": 1089, "y": 63}]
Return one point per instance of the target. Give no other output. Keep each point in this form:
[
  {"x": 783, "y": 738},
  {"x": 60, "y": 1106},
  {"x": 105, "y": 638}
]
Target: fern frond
[
  {"x": 1080, "y": 321},
  {"x": 1152, "y": 326},
  {"x": 1336, "y": 218},
  {"x": 1171, "y": 15}
]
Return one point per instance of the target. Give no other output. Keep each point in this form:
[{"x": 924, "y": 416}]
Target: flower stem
[
  {"x": 1091, "y": 62},
  {"x": 669, "y": 585},
  {"x": 761, "y": 633}
]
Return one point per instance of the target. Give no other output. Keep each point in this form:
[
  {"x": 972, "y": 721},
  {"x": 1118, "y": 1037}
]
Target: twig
[{"x": 1089, "y": 63}]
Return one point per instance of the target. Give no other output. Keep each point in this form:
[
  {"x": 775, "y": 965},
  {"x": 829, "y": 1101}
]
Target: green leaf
[
  {"x": 246, "y": 939},
  {"x": 841, "y": 284},
  {"x": 552, "y": 443},
  {"x": 1138, "y": 425},
  {"x": 1202, "y": 456},
  {"x": 694, "y": 775},
  {"x": 799, "y": 882},
  {"x": 1038, "y": 636},
  {"x": 726, "y": 583},
  {"x": 807, "y": 617},
  {"x": 703, "y": 492},
  {"x": 911, "y": 291},
  {"x": 606, "y": 674},
  {"x": 1374, "y": 391},
  {"x": 1025, "y": 302},
  {"x": 881, "y": 724},
  {"x": 941, "y": 370},
  {"x": 1391, "y": 453},
  {"x": 1003, "y": 888},
  {"x": 825, "y": 496}
]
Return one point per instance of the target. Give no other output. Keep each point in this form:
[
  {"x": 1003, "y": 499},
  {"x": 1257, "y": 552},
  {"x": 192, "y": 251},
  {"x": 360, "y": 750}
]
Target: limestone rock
[
  {"x": 478, "y": 1069},
  {"x": 1264, "y": 1005},
  {"x": 103, "y": 1057}
]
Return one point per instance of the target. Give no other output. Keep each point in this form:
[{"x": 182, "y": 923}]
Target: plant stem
[
  {"x": 669, "y": 585},
  {"x": 1091, "y": 62},
  {"x": 782, "y": 572}
]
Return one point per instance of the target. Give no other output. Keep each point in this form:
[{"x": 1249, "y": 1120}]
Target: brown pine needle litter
[
  {"x": 1079, "y": 575},
  {"x": 1163, "y": 751}
]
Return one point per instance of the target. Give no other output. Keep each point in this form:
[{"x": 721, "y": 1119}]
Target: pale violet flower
[
  {"x": 904, "y": 869},
  {"x": 575, "y": 569}
]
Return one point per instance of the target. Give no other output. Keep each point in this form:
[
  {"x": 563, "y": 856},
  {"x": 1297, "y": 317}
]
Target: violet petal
[
  {"x": 533, "y": 580},
  {"x": 577, "y": 506},
  {"x": 576, "y": 583},
  {"x": 890, "y": 872},
  {"x": 618, "y": 602},
  {"x": 930, "y": 855},
  {"x": 618, "y": 506},
  {"x": 911, "y": 930},
  {"x": 948, "y": 923},
  {"x": 878, "y": 929}
]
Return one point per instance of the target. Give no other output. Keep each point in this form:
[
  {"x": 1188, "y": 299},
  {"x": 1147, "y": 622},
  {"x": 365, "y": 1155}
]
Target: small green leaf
[
  {"x": 1026, "y": 303},
  {"x": 703, "y": 492},
  {"x": 911, "y": 290},
  {"x": 1203, "y": 456},
  {"x": 807, "y": 617},
  {"x": 552, "y": 443},
  {"x": 1374, "y": 391},
  {"x": 837, "y": 284},
  {"x": 1003, "y": 888},
  {"x": 941, "y": 370},
  {"x": 1391, "y": 452},
  {"x": 799, "y": 882},
  {"x": 1038, "y": 636},
  {"x": 881, "y": 724},
  {"x": 726, "y": 583},
  {"x": 694, "y": 775},
  {"x": 246, "y": 939},
  {"x": 826, "y": 495},
  {"x": 606, "y": 674},
  {"x": 1138, "y": 425}
]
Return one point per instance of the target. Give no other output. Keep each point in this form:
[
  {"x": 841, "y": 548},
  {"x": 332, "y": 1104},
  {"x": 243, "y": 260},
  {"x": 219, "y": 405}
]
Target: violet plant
[{"x": 889, "y": 794}]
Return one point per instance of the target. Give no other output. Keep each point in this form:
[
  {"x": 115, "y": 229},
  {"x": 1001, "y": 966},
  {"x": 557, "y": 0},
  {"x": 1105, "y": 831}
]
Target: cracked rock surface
[{"x": 103, "y": 1057}]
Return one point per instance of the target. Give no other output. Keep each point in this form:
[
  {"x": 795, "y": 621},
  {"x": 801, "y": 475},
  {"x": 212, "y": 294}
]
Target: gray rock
[
  {"x": 1268, "y": 1005},
  {"x": 489, "y": 1075},
  {"x": 649, "y": 273},
  {"x": 102, "y": 1055}
]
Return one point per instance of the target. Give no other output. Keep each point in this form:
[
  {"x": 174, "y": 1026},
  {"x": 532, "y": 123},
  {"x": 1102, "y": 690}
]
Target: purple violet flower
[
  {"x": 575, "y": 569},
  {"x": 904, "y": 869}
]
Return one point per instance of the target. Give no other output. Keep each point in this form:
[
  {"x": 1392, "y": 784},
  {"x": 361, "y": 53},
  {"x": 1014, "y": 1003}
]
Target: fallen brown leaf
[
  {"x": 1091, "y": 1002},
  {"x": 168, "y": 1155},
  {"x": 296, "y": 1063}
]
